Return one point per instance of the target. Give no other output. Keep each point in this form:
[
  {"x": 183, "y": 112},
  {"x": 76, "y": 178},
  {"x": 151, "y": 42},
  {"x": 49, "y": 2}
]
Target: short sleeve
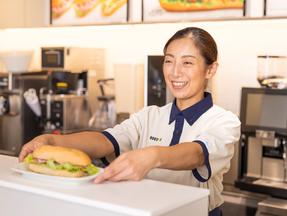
[
  {"x": 217, "y": 142},
  {"x": 125, "y": 136}
]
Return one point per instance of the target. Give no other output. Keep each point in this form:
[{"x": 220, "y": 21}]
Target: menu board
[
  {"x": 179, "y": 10},
  {"x": 276, "y": 8},
  {"x": 81, "y": 12}
]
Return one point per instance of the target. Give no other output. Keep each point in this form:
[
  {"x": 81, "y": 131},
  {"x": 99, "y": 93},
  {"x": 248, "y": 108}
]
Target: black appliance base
[{"x": 254, "y": 185}]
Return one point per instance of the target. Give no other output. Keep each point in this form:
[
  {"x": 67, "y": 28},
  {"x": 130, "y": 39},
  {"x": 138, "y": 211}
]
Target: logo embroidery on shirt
[{"x": 155, "y": 138}]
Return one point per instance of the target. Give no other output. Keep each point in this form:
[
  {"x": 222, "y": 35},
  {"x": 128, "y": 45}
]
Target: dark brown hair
[{"x": 202, "y": 40}]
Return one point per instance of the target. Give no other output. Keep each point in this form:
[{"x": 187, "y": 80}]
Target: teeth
[{"x": 178, "y": 84}]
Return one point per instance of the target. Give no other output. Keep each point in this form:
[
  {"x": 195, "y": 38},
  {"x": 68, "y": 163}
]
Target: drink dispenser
[{"x": 272, "y": 71}]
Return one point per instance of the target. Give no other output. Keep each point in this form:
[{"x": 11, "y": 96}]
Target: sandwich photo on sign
[
  {"x": 181, "y": 10},
  {"x": 81, "y": 12}
]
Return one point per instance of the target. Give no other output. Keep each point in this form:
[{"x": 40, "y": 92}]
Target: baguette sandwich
[
  {"x": 60, "y": 161},
  {"x": 199, "y": 5}
]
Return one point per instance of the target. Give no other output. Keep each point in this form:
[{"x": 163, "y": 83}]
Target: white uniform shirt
[{"x": 214, "y": 128}]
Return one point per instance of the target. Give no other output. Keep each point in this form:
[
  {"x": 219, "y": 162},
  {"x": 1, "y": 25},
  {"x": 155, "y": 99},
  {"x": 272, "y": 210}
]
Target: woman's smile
[{"x": 178, "y": 84}]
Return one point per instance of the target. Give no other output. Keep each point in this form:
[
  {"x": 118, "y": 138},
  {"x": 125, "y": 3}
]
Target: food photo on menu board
[
  {"x": 81, "y": 12},
  {"x": 276, "y": 8},
  {"x": 180, "y": 10}
]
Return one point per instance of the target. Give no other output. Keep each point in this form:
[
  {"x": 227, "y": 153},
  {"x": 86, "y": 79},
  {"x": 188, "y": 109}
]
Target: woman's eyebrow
[
  {"x": 184, "y": 56},
  {"x": 188, "y": 56},
  {"x": 168, "y": 55}
]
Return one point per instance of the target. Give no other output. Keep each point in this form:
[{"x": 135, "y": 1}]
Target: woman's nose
[{"x": 176, "y": 70}]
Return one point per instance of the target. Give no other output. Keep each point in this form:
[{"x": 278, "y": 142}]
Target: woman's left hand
[{"x": 133, "y": 165}]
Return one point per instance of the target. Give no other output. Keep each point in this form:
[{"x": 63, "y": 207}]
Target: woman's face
[{"x": 185, "y": 72}]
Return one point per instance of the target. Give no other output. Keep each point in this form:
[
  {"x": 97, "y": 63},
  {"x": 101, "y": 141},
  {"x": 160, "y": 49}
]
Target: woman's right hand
[{"x": 32, "y": 145}]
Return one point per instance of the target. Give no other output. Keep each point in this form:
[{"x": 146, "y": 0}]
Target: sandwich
[
  {"x": 198, "y": 5},
  {"x": 111, "y": 6},
  {"x": 60, "y": 161},
  {"x": 59, "y": 7},
  {"x": 83, "y": 7}
]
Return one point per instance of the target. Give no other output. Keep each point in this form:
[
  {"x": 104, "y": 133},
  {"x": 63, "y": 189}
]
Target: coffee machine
[
  {"x": 18, "y": 123},
  {"x": 263, "y": 143},
  {"x": 62, "y": 103}
]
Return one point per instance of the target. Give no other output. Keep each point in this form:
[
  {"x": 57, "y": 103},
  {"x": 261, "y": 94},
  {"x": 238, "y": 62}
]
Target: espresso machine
[
  {"x": 61, "y": 107},
  {"x": 263, "y": 143},
  {"x": 18, "y": 123}
]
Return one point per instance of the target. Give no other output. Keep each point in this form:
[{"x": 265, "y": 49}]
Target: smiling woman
[
  {"x": 190, "y": 61},
  {"x": 189, "y": 141}
]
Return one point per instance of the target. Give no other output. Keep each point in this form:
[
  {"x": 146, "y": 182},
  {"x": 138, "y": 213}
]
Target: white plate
[{"x": 22, "y": 169}]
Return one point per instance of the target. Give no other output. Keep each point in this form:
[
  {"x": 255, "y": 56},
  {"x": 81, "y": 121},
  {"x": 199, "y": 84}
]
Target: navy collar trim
[{"x": 192, "y": 113}]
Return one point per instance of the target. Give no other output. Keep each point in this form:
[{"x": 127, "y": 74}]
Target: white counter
[{"x": 24, "y": 196}]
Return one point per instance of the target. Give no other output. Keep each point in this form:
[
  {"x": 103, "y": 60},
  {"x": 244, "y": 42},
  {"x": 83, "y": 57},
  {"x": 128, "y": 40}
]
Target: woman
[{"x": 189, "y": 141}]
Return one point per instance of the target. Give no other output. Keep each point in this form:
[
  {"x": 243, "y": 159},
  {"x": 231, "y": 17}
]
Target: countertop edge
[{"x": 75, "y": 199}]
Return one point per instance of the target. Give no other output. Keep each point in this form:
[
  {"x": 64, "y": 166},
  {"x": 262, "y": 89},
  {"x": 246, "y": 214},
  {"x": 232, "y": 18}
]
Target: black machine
[
  {"x": 157, "y": 93},
  {"x": 263, "y": 143}
]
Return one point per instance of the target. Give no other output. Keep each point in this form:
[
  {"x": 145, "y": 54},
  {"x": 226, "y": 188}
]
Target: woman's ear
[{"x": 211, "y": 70}]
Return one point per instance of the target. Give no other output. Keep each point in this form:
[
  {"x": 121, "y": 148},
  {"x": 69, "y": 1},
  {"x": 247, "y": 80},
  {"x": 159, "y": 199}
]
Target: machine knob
[
  {"x": 3, "y": 105},
  {"x": 243, "y": 140}
]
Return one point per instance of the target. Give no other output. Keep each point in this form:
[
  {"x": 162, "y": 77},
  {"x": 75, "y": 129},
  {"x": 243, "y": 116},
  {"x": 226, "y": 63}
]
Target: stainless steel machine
[
  {"x": 263, "y": 144},
  {"x": 18, "y": 123},
  {"x": 62, "y": 107},
  {"x": 63, "y": 114},
  {"x": 64, "y": 104}
]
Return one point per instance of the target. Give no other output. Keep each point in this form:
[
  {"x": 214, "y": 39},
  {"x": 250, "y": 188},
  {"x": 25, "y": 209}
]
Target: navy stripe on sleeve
[
  {"x": 113, "y": 141},
  {"x": 115, "y": 145},
  {"x": 206, "y": 162}
]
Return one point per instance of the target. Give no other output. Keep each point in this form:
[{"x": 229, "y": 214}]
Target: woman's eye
[
  {"x": 187, "y": 63},
  {"x": 167, "y": 61}
]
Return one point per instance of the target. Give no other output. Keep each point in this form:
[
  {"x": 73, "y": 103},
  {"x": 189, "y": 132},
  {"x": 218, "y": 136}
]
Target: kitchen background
[
  {"x": 126, "y": 47},
  {"x": 239, "y": 43}
]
